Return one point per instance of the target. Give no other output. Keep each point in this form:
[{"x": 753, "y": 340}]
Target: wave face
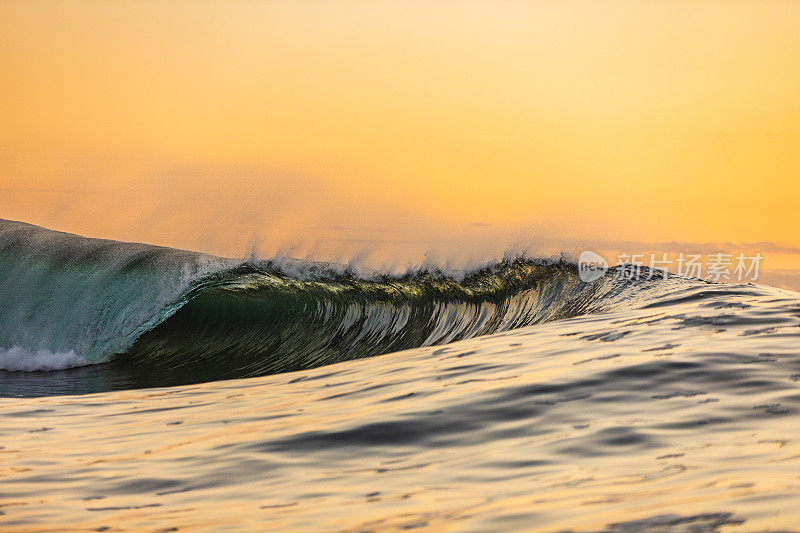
[
  {"x": 64, "y": 294},
  {"x": 172, "y": 316}
]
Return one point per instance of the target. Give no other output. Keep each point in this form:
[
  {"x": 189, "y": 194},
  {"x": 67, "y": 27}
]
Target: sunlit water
[
  {"x": 676, "y": 412},
  {"x": 146, "y": 388}
]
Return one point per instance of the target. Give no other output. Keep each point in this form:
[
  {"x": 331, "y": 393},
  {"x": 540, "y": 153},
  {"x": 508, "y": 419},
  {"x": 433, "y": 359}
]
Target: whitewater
[{"x": 147, "y": 388}]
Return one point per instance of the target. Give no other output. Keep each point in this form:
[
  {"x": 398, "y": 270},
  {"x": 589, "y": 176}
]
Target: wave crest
[{"x": 181, "y": 316}]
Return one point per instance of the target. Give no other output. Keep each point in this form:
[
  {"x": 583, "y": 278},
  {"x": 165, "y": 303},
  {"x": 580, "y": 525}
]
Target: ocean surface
[{"x": 151, "y": 389}]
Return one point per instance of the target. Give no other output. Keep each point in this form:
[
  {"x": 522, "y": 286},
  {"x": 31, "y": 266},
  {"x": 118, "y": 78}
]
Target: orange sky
[{"x": 636, "y": 120}]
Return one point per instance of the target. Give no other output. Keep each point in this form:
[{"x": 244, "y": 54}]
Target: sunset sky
[{"x": 195, "y": 124}]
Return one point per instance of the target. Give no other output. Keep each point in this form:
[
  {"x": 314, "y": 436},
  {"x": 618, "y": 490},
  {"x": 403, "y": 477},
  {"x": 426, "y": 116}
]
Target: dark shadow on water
[{"x": 91, "y": 379}]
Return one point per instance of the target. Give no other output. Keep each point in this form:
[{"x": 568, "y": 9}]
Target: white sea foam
[
  {"x": 18, "y": 359},
  {"x": 363, "y": 266}
]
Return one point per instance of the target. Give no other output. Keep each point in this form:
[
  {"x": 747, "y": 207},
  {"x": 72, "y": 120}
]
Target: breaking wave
[{"x": 184, "y": 316}]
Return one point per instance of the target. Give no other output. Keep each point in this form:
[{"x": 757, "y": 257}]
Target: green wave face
[
  {"x": 64, "y": 293},
  {"x": 173, "y": 316},
  {"x": 272, "y": 323}
]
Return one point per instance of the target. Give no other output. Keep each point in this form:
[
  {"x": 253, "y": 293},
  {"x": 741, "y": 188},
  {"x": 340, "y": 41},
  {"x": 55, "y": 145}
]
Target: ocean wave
[{"x": 183, "y": 316}]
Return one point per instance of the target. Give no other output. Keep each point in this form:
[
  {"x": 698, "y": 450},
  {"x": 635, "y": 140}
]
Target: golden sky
[{"x": 629, "y": 120}]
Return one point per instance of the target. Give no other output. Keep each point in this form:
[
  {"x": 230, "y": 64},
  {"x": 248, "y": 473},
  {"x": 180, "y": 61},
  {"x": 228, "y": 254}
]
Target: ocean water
[{"x": 152, "y": 389}]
